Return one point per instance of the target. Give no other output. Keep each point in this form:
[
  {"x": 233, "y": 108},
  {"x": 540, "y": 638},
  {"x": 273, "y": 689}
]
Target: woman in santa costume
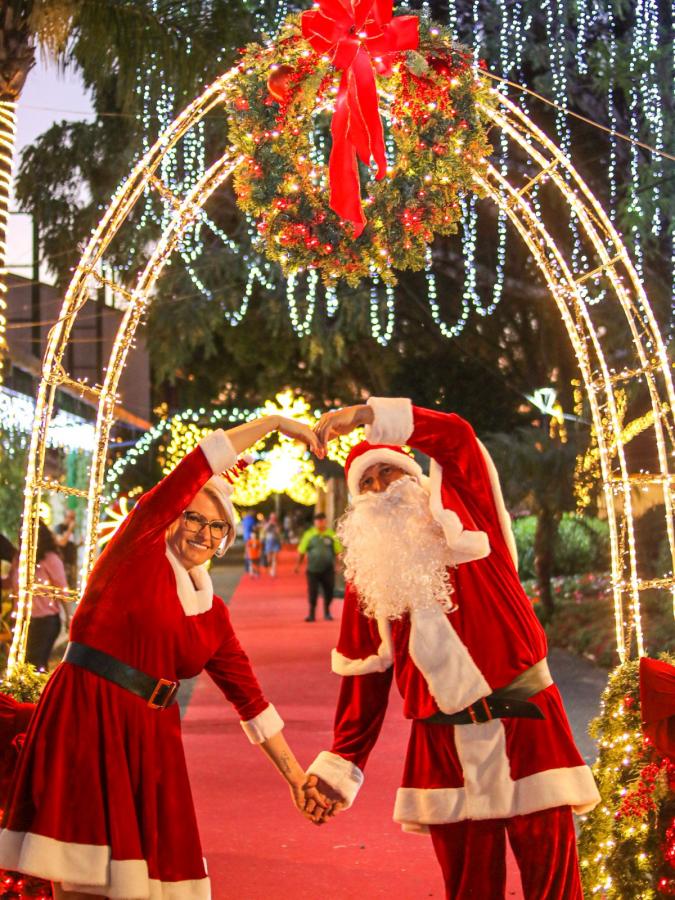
[
  {"x": 434, "y": 600},
  {"x": 101, "y": 802}
]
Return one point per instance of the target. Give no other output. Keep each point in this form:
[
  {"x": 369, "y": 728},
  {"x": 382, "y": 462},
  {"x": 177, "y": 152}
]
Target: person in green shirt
[{"x": 320, "y": 545}]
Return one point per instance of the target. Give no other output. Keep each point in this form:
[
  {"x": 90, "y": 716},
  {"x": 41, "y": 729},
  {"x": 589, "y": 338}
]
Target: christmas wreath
[{"x": 354, "y": 83}]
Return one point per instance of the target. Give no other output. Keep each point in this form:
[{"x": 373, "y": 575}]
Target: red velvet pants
[{"x": 472, "y": 855}]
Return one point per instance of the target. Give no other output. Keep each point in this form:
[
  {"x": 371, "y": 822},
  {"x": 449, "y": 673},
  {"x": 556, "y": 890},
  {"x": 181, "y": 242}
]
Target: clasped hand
[
  {"x": 330, "y": 425},
  {"x": 317, "y": 800}
]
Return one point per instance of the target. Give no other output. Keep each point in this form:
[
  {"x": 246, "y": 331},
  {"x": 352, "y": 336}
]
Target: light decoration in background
[
  {"x": 546, "y": 401},
  {"x": 67, "y": 431},
  {"x": 7, "y": 144},
  {"x": 282, "y": 467},
  {"x": 587, "y": 471},
  {"x": 279, "y": 464},
  {"x": 112, "y": 518}
]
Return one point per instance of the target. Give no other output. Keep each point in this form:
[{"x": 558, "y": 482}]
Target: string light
[
  {"x": 381, "y": 334},
  {"x": 302, "y": 326}
]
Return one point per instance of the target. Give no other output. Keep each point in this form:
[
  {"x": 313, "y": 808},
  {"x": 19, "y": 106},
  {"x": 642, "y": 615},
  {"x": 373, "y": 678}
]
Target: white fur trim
[
  {"x": 417, "y": 808},
  {"x": 88, "y": 868},
  {"x": 264, "y": 726},
  {"x": 376, "y": 662},
  {"x": 194, "y": 588},
  {"x": 392, "y": 420},
  {"x": 453, "y": 678},
  {"x": 502, "y": 511},
  {"x": 218, "y": 450},
  {"x": 342, "y": 775},
  {"x": 465, "y": 546},
  {"x": 380, "y": 455}
]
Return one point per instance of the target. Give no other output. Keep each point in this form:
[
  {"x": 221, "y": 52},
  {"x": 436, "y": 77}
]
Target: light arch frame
[{"x": 565, "y": 286}]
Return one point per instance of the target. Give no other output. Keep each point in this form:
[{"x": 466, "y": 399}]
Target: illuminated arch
[{"x": 604, "y": 257}]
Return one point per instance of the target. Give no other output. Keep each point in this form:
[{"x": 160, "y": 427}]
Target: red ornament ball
[
  {"x": 442, "y": 66},
  {"x": 279, "y": 82}
]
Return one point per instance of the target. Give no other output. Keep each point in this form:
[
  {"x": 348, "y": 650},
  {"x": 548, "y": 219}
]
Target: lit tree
[{"x": 101, "y": 37}]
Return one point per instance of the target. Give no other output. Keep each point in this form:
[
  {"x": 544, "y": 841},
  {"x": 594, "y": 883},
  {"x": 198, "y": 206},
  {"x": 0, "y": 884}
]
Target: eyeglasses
[{"x": 195, "y": 523}]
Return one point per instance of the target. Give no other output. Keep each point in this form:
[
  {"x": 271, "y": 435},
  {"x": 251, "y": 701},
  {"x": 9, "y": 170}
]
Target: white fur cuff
[
  {"x": 264, "y": 726},
  {"x": 343, "y": 776},
  {"x": 218, "y": 450},
  {"x": 393, "y": 421}
]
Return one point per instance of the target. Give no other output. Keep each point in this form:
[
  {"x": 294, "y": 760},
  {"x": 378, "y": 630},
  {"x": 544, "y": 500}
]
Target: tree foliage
[{"x": 485, "y": 373}]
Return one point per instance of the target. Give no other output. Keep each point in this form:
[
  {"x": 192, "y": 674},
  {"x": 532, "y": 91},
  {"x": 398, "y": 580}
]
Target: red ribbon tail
[
  {"x": 369, "y": 111},
  {"x": 343, "y": 171}
]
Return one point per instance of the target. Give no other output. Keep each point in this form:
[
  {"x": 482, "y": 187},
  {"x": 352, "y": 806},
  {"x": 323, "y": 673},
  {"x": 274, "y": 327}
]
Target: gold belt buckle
[{"x": 163, "y": 683}]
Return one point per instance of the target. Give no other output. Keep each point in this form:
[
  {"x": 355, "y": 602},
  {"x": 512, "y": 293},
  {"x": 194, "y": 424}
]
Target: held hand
[
  {"x": 309, "y": 802},
  {"x": 341, "y": 421},
  {"x": 334, "y": 802},
  {"x": 301, "y": 432}
]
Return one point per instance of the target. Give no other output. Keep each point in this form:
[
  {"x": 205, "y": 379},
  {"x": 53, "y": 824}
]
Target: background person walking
[
  {"x": 320, "y": 545},
  {"x": 271, "y": 543}
]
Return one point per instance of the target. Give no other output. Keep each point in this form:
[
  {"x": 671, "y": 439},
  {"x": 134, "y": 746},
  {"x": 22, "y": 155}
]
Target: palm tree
[{"x": 102, "y": 37}]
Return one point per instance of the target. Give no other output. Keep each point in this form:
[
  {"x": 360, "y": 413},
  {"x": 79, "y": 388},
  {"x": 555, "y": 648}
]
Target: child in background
[{"x": 253, "y": 553}]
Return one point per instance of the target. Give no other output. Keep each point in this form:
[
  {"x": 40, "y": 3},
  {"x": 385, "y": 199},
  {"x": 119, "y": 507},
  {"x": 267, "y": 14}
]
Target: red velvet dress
[
  {"x": 101, "y": 801},
  {"x": 500, "y": 769}
]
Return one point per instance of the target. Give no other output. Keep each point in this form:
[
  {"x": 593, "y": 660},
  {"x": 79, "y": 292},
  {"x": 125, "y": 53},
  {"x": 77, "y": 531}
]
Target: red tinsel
[{"x": 14, "y": 886}]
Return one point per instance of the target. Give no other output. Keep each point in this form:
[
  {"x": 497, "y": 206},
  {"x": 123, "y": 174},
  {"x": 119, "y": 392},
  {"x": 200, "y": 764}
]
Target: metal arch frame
[{"x": 563, "y": 283}]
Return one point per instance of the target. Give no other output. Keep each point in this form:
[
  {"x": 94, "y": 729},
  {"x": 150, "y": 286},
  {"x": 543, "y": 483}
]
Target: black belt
[
  {"x": 486, "y": 709},
  {"x": 158, "y": 692}
]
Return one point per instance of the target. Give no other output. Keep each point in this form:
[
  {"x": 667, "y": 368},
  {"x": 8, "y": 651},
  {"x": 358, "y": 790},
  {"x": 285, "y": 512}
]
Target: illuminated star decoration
[{"x": 114, "y": 515}]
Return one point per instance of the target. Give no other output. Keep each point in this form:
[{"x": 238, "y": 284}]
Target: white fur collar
[{"x": 194, "y": 587}]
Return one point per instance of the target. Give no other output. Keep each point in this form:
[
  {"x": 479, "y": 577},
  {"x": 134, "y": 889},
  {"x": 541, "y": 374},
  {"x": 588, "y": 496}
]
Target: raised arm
[
  {"x": 216, "y": 452},
  {"x": 445, "y": 437}
]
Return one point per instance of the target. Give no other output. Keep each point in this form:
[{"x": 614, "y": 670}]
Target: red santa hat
[{"x": 364, "y": 455}]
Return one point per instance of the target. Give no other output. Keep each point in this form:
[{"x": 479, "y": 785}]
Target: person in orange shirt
[{"x": 253, "y": 553}]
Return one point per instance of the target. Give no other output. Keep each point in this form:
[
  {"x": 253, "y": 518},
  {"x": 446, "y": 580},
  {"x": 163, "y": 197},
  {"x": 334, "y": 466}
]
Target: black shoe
[
  {"x": 328, "y": 617},
  {"x": 310, "y": 619}
]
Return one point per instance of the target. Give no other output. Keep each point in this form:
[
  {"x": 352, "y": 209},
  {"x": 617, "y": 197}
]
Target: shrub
[
  {"x": 652, "y": 541},
  {"x": 582, "y": 545}
]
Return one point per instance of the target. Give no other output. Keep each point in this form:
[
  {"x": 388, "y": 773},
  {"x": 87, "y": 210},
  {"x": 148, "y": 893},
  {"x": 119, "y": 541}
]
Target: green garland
[
  {"x": 625, "y": 842},
  {"x": 25, "y": 683},
  {"x": 431, "y": 104}
]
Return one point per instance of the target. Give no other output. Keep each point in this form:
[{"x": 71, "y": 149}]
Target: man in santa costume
[{"x": 433, "y": 598}]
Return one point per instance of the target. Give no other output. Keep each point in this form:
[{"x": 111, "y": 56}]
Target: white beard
[{"x": 395, "y": 552}]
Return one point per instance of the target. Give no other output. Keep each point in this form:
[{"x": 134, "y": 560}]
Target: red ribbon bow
[{"x": 358, "y": 35}]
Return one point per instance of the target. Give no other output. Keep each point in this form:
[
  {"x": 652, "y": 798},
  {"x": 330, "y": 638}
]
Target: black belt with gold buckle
[
  {"x": 157, "y": 692},
  {"x": 486, "y": 709}
]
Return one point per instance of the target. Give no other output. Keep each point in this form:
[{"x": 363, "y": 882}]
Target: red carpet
[{"x": 256, "y": 844}]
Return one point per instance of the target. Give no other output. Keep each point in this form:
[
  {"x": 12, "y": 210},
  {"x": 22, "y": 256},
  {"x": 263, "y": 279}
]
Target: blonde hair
[{"x": 213, "y": 495}]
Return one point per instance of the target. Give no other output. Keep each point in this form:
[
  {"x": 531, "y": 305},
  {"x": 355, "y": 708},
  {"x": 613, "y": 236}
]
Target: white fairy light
[
  {"x": 302, "y": 326},
  {"x": 382, "y": 334}
]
